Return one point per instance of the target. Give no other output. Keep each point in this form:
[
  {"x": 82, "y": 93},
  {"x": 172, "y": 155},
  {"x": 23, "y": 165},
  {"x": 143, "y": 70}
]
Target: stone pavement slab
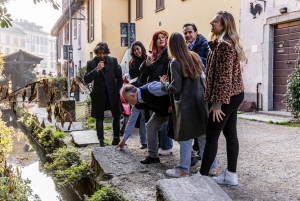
[
  {"x": 84, "y": 138},
  {"x": 194, "y": 188},
  {"x": 263, "y": 118},
  {"x": 76, "y": 126},
  {"x": 108, "y": 162}
]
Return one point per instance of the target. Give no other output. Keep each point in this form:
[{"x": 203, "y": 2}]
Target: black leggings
[{"x": 228, "y": 125}]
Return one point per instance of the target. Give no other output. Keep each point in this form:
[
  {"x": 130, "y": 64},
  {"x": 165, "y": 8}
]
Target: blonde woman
[{"x": 225, "y": 92}]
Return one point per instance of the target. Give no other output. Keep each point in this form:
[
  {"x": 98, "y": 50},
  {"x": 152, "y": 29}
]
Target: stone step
[
  {"x": 108, "y": 162},
  {"x": 194, "y": 188},
  {"x": 84, "y": 138}
]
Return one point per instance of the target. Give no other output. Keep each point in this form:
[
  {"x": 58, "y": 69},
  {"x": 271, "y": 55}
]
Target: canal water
[{"x": 27, "y": 157}]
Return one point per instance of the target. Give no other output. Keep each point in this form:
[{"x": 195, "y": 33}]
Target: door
[{"x": 286, "y": 37}]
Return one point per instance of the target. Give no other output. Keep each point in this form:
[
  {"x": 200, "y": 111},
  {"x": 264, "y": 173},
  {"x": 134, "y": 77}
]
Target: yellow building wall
[
  {"x": 108, "y": 14},
  {"x": 97, "y": 30},
  {"x": 114, "y": 12},
  {"x": 177, "y": 13}
]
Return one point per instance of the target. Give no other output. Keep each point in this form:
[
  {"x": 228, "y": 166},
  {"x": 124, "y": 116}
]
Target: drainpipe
[
  {"x": 257, "y": 96},
  {"x": 128, "y": 24}
]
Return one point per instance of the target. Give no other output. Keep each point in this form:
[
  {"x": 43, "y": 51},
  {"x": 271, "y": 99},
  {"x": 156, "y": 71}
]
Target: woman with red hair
[{"x": 156, "y": 65}]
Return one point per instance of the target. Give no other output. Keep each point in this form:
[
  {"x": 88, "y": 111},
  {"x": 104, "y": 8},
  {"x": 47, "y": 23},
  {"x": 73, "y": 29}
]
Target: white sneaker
[
  {"x": 162, "y": 152},
  {"x": 227, "y": 178},
  {"x": 176, "y": 173}
]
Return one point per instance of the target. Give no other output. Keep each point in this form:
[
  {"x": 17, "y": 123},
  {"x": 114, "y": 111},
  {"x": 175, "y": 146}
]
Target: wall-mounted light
[{"x": 283, "y": 10}]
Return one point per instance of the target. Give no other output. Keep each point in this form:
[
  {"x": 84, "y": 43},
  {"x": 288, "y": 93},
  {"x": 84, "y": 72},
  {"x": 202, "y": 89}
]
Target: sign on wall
[
  {"x": 256, "y": 8},
  {"x": 124, "y": 34}
]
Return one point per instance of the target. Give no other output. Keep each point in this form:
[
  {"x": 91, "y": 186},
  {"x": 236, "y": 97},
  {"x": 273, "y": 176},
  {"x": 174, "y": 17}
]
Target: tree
[{"x": 5, "y": 17}]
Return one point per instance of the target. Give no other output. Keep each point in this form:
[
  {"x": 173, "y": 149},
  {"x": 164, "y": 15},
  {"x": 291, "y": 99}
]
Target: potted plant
[{"x": 87, "y": 104}]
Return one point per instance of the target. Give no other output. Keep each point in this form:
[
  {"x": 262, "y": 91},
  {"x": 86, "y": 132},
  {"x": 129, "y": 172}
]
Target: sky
[{"x": 42, "y": 14}]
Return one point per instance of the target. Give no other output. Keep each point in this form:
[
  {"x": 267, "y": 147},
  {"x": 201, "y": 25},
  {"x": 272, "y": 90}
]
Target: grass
[
  {"x": 284, "y": 123},
  {"x": 239, "y": 112},
  {"x": 107, "y": 120},
  {"x": 107, "y": 142},
  {"x": 106, "y": 127},
  {"x": 252, "y": 119}
]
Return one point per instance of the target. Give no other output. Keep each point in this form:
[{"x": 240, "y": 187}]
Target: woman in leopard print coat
[{"x": 225, "y": 92}]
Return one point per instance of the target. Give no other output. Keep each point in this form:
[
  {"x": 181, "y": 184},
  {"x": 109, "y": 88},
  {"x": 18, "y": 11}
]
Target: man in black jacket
[
  {"x": 106, "y": 75},
  {"x": 196, "y": 42},
  {"x": 147, "y": 97}
]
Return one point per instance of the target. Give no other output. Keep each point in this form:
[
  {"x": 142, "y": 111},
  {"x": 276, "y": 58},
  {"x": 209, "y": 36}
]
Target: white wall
[{"x": 252, "y": 35}]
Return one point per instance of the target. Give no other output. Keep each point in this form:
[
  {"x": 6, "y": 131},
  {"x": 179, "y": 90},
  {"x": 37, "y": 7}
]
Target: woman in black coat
[
  {"x": 138, "y": 56},
  {"x": 155, "y": 66},
  {"x": 106, "y": 75}
]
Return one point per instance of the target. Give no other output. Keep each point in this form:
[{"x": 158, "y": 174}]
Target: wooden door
[{"x": 286, "y": 37}]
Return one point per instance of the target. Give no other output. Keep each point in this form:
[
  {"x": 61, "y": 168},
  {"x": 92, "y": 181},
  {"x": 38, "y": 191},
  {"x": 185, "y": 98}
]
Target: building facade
[
  {"x": 29, "y": 37},
  {"x": 12, "y": 39},
  {"x": 269, "y": 31},
  {"x": 75, "y": 37}
]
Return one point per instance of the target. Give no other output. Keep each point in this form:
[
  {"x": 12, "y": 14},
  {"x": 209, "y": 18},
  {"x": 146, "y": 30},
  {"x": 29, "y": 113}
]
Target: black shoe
[
  {"x": 115, "y": 141},
  {"x": 101, "y": 143},
  {"x": 194, "y": 161},
  {"x": 196, "y": 145},
  {"x": 143, "y": 146},
  {"x": 149, "y": 160}
]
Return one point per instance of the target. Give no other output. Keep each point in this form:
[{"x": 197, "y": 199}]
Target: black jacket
[
  {"x": 201, "y": 48},
  {"x": 158, "y": 68},
  {"x": 134, "y": 71},
  {"x": 106, "y": 86},
  {"x": 158, "y": 104}
]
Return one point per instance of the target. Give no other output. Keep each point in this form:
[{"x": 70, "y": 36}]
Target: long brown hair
[
  {"x": 229, "y": 33},
  {"x": 133, "y": 57},
  {"x": 190, "y": 63}
]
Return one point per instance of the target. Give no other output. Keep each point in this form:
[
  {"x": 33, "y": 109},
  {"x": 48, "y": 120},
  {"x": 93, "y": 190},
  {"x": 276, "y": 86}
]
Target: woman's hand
[
  {"x": 121, "y": 145},
  {"x": 149, "y": 61},
  {"x": 163, "y": 78},
  {"x": 217, "y": 114}
]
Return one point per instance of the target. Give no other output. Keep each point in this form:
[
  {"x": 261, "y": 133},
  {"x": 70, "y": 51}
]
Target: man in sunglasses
[{"x": 148, "y": 97}]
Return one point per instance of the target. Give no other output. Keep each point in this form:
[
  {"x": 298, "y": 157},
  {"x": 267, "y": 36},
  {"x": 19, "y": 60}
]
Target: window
[
  {"x": 67, "y": 33},
  {"x": 16, "y": 50},
  {"x": 59, "y": 45},
  {"x": 160, "y": 5},
  {"x": 7, "y": 39},
  {"x": 75, "y": 27},
  {"x": 79, "y": 64},
  {"x": 46, "y": 49},
  {"x": 139, "y": 9},
  {"x": 41, "y": 49},
  {"x": 23, "y": 42},
  {"x": 28, "y": 37},
  {"x": 16, "y": 41},
  {"x": 90, "y": 20},
  {"x": 79, "y": 34},
  {"x": 32, "y": 47},
  {"x": 1, "y": 49},
  {"x": 7, "y": 51}
]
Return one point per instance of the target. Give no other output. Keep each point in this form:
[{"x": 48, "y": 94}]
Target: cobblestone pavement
[{"x": 268, "y": 165}]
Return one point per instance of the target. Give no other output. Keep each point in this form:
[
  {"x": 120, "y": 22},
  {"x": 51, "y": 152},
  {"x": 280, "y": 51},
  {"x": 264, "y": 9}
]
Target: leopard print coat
[{"x": 224, "y": 77}]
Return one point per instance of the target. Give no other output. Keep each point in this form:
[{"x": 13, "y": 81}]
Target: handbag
[
  {"x": 138, "y": 81},
  {"x": 135, "y": 81}
]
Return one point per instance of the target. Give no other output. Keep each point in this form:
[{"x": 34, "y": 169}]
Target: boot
[
  {"x": 115, "y": 141},
  {"x": 101, "y": 143}
]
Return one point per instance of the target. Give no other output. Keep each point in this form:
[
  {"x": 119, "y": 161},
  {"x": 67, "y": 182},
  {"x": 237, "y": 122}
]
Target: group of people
[{"x": 188, "y": 85}]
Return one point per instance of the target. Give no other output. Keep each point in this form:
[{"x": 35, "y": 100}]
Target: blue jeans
[
  {"x": 165, "y": 142},
  {"x": 201, "y": 143},
  {"x": 142, "y": 129},
  {"x": 185, "y": 156}
]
